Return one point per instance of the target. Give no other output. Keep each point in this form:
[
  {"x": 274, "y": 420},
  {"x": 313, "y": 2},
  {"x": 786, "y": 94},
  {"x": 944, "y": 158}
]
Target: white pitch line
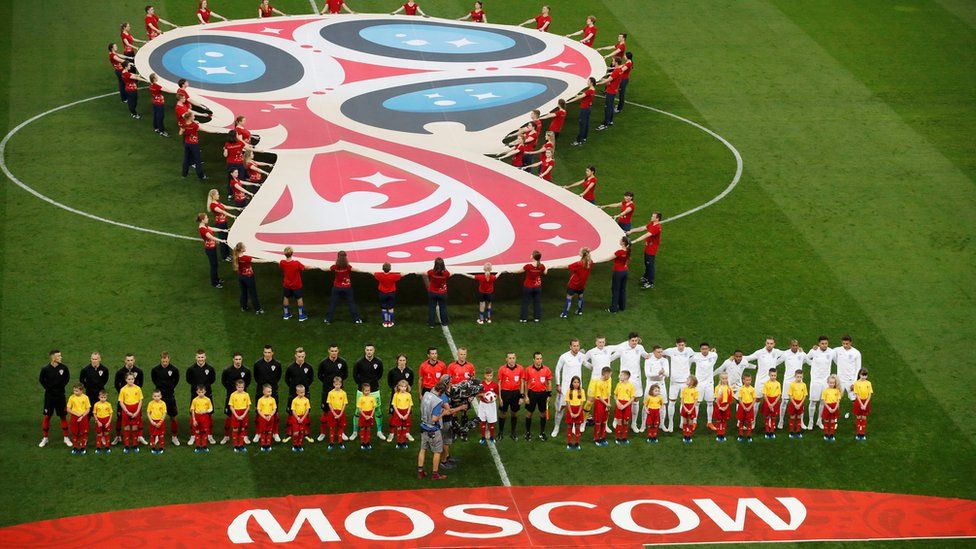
[
  {"x": 22, "y": 185},
  {"x": 315, "y": 9}
]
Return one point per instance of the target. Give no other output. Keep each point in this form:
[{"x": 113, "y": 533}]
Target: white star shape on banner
[
  {"x": 461, "y": 42},
  {"x": 377, "y": 179},
  {"x": 561, "y": 64},
  {"x": 215, "y": 70},
  {"x": 282, "y": 106},
  {"x": 482, "y": 96},
  {"x": 270, "y": 30},
  {"x": 557, "y": 241},
  {"x": 432, "y": 95}
]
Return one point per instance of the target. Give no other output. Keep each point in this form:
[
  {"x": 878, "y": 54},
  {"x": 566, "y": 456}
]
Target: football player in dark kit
[
  {"x": 201, "y": 373},
  {"x": 94, "y": 377},
  {"x": 54, "y": 378},
  {"x": 331, "y": 367},
  {"x": 369, "y": 369},
  {"x": 228, "y": 378},
  {"x": 267, "y": 371},
  {"x": 298, "y": 373},
  {"x": 128, "y": 367},
  {"x": 165, "y": 378}
]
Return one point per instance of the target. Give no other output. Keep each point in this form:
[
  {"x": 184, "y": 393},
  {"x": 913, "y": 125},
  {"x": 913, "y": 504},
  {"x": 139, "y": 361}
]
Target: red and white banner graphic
[{"x": 519, "y": 516}]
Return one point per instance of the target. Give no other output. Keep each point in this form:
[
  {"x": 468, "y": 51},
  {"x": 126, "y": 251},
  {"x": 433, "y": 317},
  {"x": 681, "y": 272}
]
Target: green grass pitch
[{"x": 855, "y": 214}]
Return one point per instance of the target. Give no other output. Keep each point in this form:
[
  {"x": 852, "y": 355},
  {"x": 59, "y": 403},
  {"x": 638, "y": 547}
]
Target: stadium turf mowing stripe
[{"x": 848, "y": 219}]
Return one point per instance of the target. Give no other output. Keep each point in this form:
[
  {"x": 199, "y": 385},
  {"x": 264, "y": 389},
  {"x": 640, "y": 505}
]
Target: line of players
[{"x": 667, "y": 373}]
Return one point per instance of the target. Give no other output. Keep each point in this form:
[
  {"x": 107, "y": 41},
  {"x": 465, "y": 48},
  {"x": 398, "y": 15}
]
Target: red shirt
[
  {"x": 623, "y": 208},
  {"x": 533, "y": 275},
  {"x": 460, "y": 372},
  {"x": 536, "y": 128},
  {"x": 478, "y": 16},
  {"x": 616, "y": 75},
  {"x": 587, "y": 99},
  {"x": 335, "y": 5},
  {"x": 184, "y": 93},
  {"x": 244, "y": 265},
  {"x": 154, "y": 21},
  {"x": 590, "y": 194},
  {"x": 411, "y": 9},
  {"x": 243, "y": 134},
  {"x": 620, "y": 49},
  {"x": 207, "y": 243},
  {"x": 579, "y": 273},
  {"x": 115, "y": 62},
  {"x": 620, "y": 259},
  {"x": 546, "y": 164},
  {"x": 519, "y": 159},
  {"x": 127, "y": 43},
  {"x": 180, "y": 111},
  {"x": 265, "y": 11},
  {"x": 218, "y": 213},
  {"x": 292, "y": 270},
  {"x": 488, "y": 387},
  {"x": 511, "y": 378},
  {"x": 430, "y": 374},
  {"x": 204, "y": 14},
  {"x": 190, "y": 134},
  {"x": 542, "y": 21},
  {"x": 591, "y": 30},
  {"x": 654, "y": 240},
  {"x": 486, "y": 282},
  {"x": 237, "y": 190},
  {"x": 253, "y": 175},
  {"x": 629, "y": 65},
  {"x": 387, "y": 282},
  {"x": 130, "y": 83},
  {"x": 538, "y": 377},
  {"x": 341, "y": 279},
  {"x": 235, "y": 152},
  {"x": 156, "y": 92},
  {"x": 557, "y": 121},
  {"x": 438, "y": 281}
]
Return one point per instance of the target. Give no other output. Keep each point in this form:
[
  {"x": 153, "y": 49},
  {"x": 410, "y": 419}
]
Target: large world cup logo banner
[{"x": 380, "y": 125}]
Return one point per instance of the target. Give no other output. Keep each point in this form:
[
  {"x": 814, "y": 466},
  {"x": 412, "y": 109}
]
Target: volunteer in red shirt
[
  {"x": 625, "y": 217},
  {"x": 437, "y": 293},
  {"x": 158, "y": 103},
  {"x": 558, "y": 118},
  {"x": 205, "y": 13},
  {"x": 486, "y": 293},
  {"x": 181, "y": 108},
  {"x": 234, "y": 153},
  {"x": 129, "y": 46},
  {"x": 291, "y": 270},
  {"x": 265, "y": 9},
  {"x": 191, "y": 146},
  {"x": 430, "y": 371},
  {"x": 477, "y": 15},
  {"x": 542, "y": 21},
  {"x": 586, "y": 104},
  {"x": 152, "y": 23},
  {"x": 387, "y": 287},
  {"x": 184, "y": 90},
  {"x": 243, "y": 134},
  {"x": 130, "y": 78},
  {"x": 254, "y": 172},
  {"x": 588, "y": 183},
  {"x": 616, "y": 50},
  {"x": 653, "y": 237},
  {"x": 245, "y": 276},
  {"x": 342, "y": 288},
  {"x": 610, "y": 92},
  {"x": 628, "y": 67},
  {"x": 618, "y": 284},
  {"x": 410, "y": 8},
  {"x": 538, "y": 380},
  {"x": 116, "y": 60},
  {"x": 517, "y": 151},
  {"x": 335, "y": 6},
  {"x": 511, "y": 379},
  {"x": 461, "y": 370},
  {"x": 221, "y": 213},
  {"x": 240, "y": 195},
  {"x": 532, "y": 287},
  {"x": 546, "y": 165},
  {"x": 210, "y": 241},
  {"x": 579, "y": 273},
  {"x": 588, "y": 32}
]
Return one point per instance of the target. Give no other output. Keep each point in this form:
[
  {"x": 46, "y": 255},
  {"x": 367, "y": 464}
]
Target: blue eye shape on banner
[
  {"x": 430, "y": 41},
  {"x": 226, "y": 64},
  {"x": 476, "y": 102}
]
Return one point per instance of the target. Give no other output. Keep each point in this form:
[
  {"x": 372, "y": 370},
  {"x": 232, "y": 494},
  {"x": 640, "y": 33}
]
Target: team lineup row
[{"x": 650, "y": 383}]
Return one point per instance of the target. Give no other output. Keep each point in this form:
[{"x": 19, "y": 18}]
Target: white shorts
[
  {"x": 488, "y": 411},
  {"x": 675, "y": 391},
  {"x": 706, "y": 392},
  {"x": 845, "y": 387},
  {"x": 663, "y": 393},
  {"x": 817, "y": 387}
]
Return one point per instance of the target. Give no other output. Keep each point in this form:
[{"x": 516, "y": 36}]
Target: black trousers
[
  {"x": 344, "y": 294},
  {"x": 534, "y": 295},
  {"x": 158, "y": 111},
  {"x": 584, "y": 124},
  {"x": 212, "y": 258},
  {"x": 124, "y": 96},
  {"x": 649, "y": 268},
  {"x": 435, "y": 301},
  {"x": 249, "y": 288},
  {"x": 618, "y": 291},
  {"x": 621, "y": 93},
  {"x": 132, "y": 98},
  {"x": 191, "y": 157},
  {"x": 608, "y": 109}
]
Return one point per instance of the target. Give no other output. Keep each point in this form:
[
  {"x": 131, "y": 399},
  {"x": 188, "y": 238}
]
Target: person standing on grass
[
  {"x": 291, "y": 270},
  {"x": 631, "y": 352},
  {"x": 210, "y": 247},
  {"x": 848, "y": 360},
  {"x": 201, "y": 374},
  {"x": 410, "y": 8},
  {"x": 656, "y": 371},
  {"x": 680, "y": 356},
  {"x": 129, "y": 46},
  {"x": 486, "y": 293},
  {"x": 102, "y": 412},
  {"x": 538, "y": 378},
  {"x": 542, "y": 21},
  {"x": 599, "y": 399},
  {"x": 156, "y": 414},
  {"x": 628, "y": 67},
  {"x": 116, "y": 60},
  {"x": 369, "y": 369},
  {"x": 586, "y": 106},
  {"x": 588, "y": 31},
  {"x": 437, "y": 293},
  {"x": 184, "y": 90},
  {"x": 386, "y": 286},
  {"x": 401, "y": 403},
  {"x": 334, "y": 7},
  {"x": 430, "y": 370},
  {"x": 612, "y": 81},
  {"x": 94, "y": 377},
  {"x": 797, "y": 393},
  {"x": 652, "y": 234},
  {"x": 54, "y": 378},
  {"x": 588, "y": 183},
  {"x": 129, "y": 77},
  {"x": 623, "y": 399},
  {"x": 863, "y": 392},
  {"x": 477, "y": 15},
  {"x": 239, "y": 406},
  {"x": 299, "y": 420},
  {"x": 511, "y": 379},
  {"x": 267, "y": 373},
  {"x": 689, "y": 409},
  {"x": 158, "y": 105},
  {"x": 152, "y": 21},
  {"x": 255, "y": 171},
  {"x": 546, "y": 165},
  {"x": 616, "y": 50},
  {"x": 618, "y": 284},
  {"x": 568, "y": 367},
  {"x": 704, "y": 362},
  {"x": 165, "y": 378},
  {"x": 220, "y": 213},
  {"x": 558, "y": 118},
  {"x": 331, "y": 368},
  {"x": 532, "y": 288},
  {"x": 130, "y": 406},
  {"x": 128, "y": 368},
  {"x": 245, "y": 277},
  {"x": 229, "y": 378},
  {"x": 234, "y": 154},
  {"x": 334, "y": 415},
  {"x": 579, "y": 274},
  {"x": 265, "y": 10},
  {"x": 830, "y": 412},
  {"x": 431, "y": 412},
  {"x": 627, "y": 207},
  {"x": 460, "y": 369},
  {"x": 401, "y": 372},
  {"x": 299, "y": 373},
  {"x": 793, "y": 359},
  {"x": 201, "y": 420},
  {"x": 189, "y": 129},
  {"x": 204, "y": 13},
  {"x": 342, "y": 288},
  {"x": 266, "y": 415}
]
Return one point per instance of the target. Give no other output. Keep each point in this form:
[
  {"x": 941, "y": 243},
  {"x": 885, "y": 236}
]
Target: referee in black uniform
[{"x": 165, "y": 378}]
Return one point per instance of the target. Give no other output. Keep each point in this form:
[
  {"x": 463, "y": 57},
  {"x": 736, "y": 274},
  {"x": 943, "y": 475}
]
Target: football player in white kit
[
  {"x": 819, "y": 358},
  {"x": 734, "y": 366},
  {"x": 656, "y": 370},
  {"x": 570, "y": 365},
  {"x": 598, "y": 357},
  {"x": 630, "y": 353},
  {"x": 848, "y": 361},
  {"x": 704, "y": 362},
  {"x": 766, "y": 359},
  {"x": 793, "y": 360},
  {"x": 680, "y": 356}
]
